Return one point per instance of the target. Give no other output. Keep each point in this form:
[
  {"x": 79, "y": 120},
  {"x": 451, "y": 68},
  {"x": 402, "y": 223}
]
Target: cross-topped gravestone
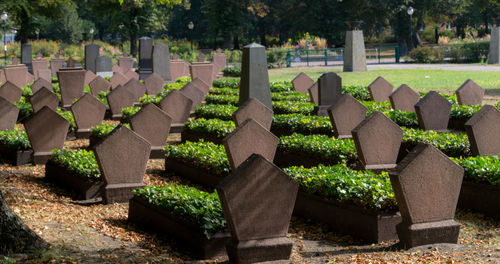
[
  {"x": 122, "y": 158},
  {"x": 131, "y": 74},
  {"x": 103, "y": 66},
  {"x": 91, "y": 54},
  {"x": 302, "y": 82},
  {"x": 136, "y": 88},
  {"x": 249, "y": 138},
  {"x": 200, "y": 57},
  {"x": 404, "y": 98},
  {"x": 46, "y": 131},
  {"x": 254, "y": 109},
  {"x": 39, "y": 84},
  {"x": 118, "y": 79},
  {"x": 26, "y": 56},
  {"x": 9, "y": 114},
  {"x": 99, "y": 84},
  {"x": 44, "y": 97},
  {"x": 345, "y": 115},
  {"x": 258, "y": 233},
  {"x": 88, "y": 111},
  {"x": 125, "y": 64},
  {"x": 254, "y": 76},
  {"x": 433, "y": 112},
  {"x": 145, "y": 57},
  {"x": 483, "y": 130},
  {"x": 161, "y": 61},
  {"x": 177, "y": 105},
  {"x": 11, "y": 92},
  {"x": 16, "y": 75},
  {"x": 203, "y": 86},
  {"x": 380, "y": 89},
  {"x": 154, "y": 84},
  {"x": 204, "y": 71},
  {"x": 313, "y": 93},
  {"x": 192, "y": 92},
  {"x": 71, "y": 83},
  {"x": 55, "y": 65},
  {"x": 119, "y": 98},
  {"x": 470, "y": 93},
  {"x": 427, "y": 184},
  {"x": 377, "y": 139},
  {"x": 329, "y": 91}
]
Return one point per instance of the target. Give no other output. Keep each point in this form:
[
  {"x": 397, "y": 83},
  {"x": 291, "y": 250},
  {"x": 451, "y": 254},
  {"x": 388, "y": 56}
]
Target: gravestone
[
  {"x": 494, "y": 52},
  {"x": 59, "y": 55},
  {"x": 15, "y": 61},
  {"x": 89, "y": 76},
  {"x": 44, "y": 97},
  {"x": 433, "y": 112},
  {"x": 302, "y": 82},
  {"x": 249, "y": 138},
  {"x": 192, "y": 92},
  {"x": 39, "y": 65},
  {"x": 26, "y": 56},
  {"x": 39, "y": 84},
  {"x": 55, "y": 65},
  {"x": 380, "y": 89},
  {"x": 153, "y": 124},
  {"x": 203, "y": 86},
  {"x": 117, "y": 79},
  {"x": 122, "y": 158},
  {"x": 71, "y": 83},
  {"x": 255, "y": 110},
  {"x": 470, "y": 93},
  {"x": 9, "y": 115},
  {"x": 136, "y": 88},
  {"x": 219, "y": 60},
  {"x": 176, "y": 105},
  {"x": 313, "y": 93},
  {"x": 377, "y": 139},
  {"x": 131, "y": 74},
  {"x": 404, "y": 98},
  {"x": 203, "y": 71},
  {"x": 2, "y": 76},
  {"x": 177, "y": 69},
  {"x": 103, "y": 65},
  {"x": 44, "y": 74},
  {"x": 17, "y": 75},
  {"x": 145, "y": 59},
  {"x": 88, "y": 111},
  {"x": 99, "y": 84},
  {"x": 483, "y": 131},
  {"x": 354, "y": 52},
  {"x": 154, "y": 84},
  {"x": 329, "y": 91},
  {"x": 200, "y": 57},
  {"x": 426, "y": 185},
  {"x": 254, "y": 76},
  {"x": 175, "y": 56},
  {"x": 258, "y": 233},
  {"x": 46, "y": 131},
  {"x": 39, "y": 55},
  {"x": 71, "y": 63},
  {"x": 161, "y": 61},
  {"x": 345, "y": 115},
  {"x": 119, "y": 98},
  {"x": 116, "y": 68},
  {"x": 11, "y": 92},
  {"x": 125, "y": 64},
  {"x": 30, "y": 78},
  {"x": 91, "y": 54}
]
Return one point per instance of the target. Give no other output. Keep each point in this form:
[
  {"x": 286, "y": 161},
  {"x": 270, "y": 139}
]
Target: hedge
[
  {"x": 81, "y": 162},
  {"x": 481, "y": 169},
  {"x": 15, "y": 139}
]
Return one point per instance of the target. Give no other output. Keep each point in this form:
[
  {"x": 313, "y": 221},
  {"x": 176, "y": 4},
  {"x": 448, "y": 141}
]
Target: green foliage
[
  {"x": 359, "y": 92},
  {"x": 469, "y": 52},
  {"x": 289, "y": 96},
  {"x": 81, "y": 162},
  {"x": 223, "y": 112},
  {"x": 291, "y": 107},
  {"x": 104, "y": 129},
  {"x": 372, "y": 106},
  {"x": 15, "y": 139},
  {"x": 201, "y": 154},
  {"x": 128, "y": 112},
  {"x": 464, "y": 112},
  {"x": 234, "y": 71},
  {"x": 226, "y": 83},
  {"x": 426, "y": 55},
  {"x": 146, "y": 99},
  {"x": 216, "y": 127},
  {"x": 226, "y": 91},
  {"x": 27, "y": 92},
  {"x": 25, "y": 108},
  {"x": 402, "y": 118},
  {"x": 102, "y": 97},
  {"x": 480, "y": 169},
  {"x": 283, "y": 86},
  {"x": 68, "y": 116},
  {"x": 304, "y": 124},
  {"x": 450, "y": 144},
  {"x": 276, "y": 57},
  {"x": 222, "y": 99}
]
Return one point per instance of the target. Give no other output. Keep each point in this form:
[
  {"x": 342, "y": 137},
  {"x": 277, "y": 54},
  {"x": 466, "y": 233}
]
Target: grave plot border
[
  {"x": 193, "y": 173},
  {"x": 482, "y": 198},
  {"x": 16, "y": 157}
]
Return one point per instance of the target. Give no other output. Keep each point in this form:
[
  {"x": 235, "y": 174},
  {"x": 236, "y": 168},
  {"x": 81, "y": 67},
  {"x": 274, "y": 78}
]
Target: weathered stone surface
[
  {"x": 404, "y": 98},
  {"x": 125, "y": 64},
  {"x": 118, "y": 79},
  {"x": 254, "y": 109},
  {"x": 249, "y": 138},
  {"x": 11, "y": 92},
  {"x": 71, "y": 84},
  {"x": 377, "y": 140},
  {"x": 302, "y": 82},
  {"x": 70, "y": 63},
  {"x": 89, "y": 76},
  {"x": 154, "y": 84},
  {"x": 345, "y": 115},
  {"x": 30, "y": 78},
  {"x": 26, "y": 56},
  {"x": 176, "y": 105},
  {"x": 119, "y": 98},
  {"x": 131, "y": 74},
  {"x": 55, "y": 65},
  {"x": 153, "y": 124},
  {"x": 483, "y": 130},
  {"x": 192, "y": 92},
  {"x": 313, "y": 93},
  {"x": 494, "y": 52},
  {"x": 175, "y": 56},
  {"x": 219, "y": 60},
  {"x": 161, "y": 61},
  {"x": 354, "y": 52},
  {"x": 380, "y": 89},
  {"x": 99, "y": 84},
  {"x": 2, "y": 76},
  {"x": 254, "y": 76},
  {"x": 145, "y": 57},
  {"x": 136, "y": 88},
  {"x": 44, "y": 97},
  {"x": 16, "y": 75},
  {"x": 15, "y": 61},
  {"x": 88, "y": 111},
  {"x": 203, "y": 86},
  {"x": 103, "y": 66},
  {"x": 44, "y": 74},
  {"x": 116, "y": 68},
  {"x": 39, "y": 84},
  {"x": 329, "y": 91},
  {"x": 178, "y": 69},
  {"x": 200, "y": 57},
  {"x": 433, "y": 112},
  {"x": 91, "y": 54},
  {"x": 470, "y": 93},
  {"x": 203, "y": 71},
  {"x": 39, "y": 65},
  {"x": 9, "y": 114},
  {"x": 427, "y": 184}
]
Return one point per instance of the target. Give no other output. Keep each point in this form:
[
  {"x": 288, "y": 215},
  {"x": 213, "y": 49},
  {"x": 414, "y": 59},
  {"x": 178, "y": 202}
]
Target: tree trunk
[
  {"x": 227, "y": 41},
  {"x": 436, "y": 35},
  {"x": 236, "y": 42},
  {"x": 133, "y": 44},
  {"x": 15, "y": 236},
  {"x": 263, "y": 39}
]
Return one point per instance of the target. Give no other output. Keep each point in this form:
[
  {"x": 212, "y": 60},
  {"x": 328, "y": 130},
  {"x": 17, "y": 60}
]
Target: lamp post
[
  {"x": 92, "y": 35},
  {"x": 410, "y": 12},
  {"x": 37, "y": 34},
  {"x": 4, "y": 24},
  {"x": 191, "y": 27}
]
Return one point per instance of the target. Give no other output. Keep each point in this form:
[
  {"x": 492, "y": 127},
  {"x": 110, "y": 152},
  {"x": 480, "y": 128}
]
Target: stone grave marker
[
  {"x": 125, "y": 64},
  {"x": 116, "y": 68},
  {"x": 203, "y": 86},
  {"x": 354, "y": 52},
  {"x": 219, "y": 60},
  {"x": 494, "y": 47},
  {"x": 404, "y": 98},
  {"x": 71, "y": 83},
  {"x": 9, "y": 115},
  {"x": 203, "y": 71},
  {"x": 16, "y": 75},
  {"x": 55, "y": 65},
  {"x": 88, "y": 111},
  {"x": 2, "y": 76},
  {"x": 154, "y": 84},
  {"x": 44, "y": 74},
  {"x": 433, "y": 112},
  {"x": 380, "y": 89},
  {"x": 119, "y": 98},
  {"x": 118, "y": 79},
  {"x": 313, "y": 93},
  {"x": 249, "y": 138},
  {"x": 70, "y": 63},
  {"x": 254, "y": 76},
  {"x": 329, "y": 91},
  {"x": 345, "y": 115},
  {"x": 103, "y": 66},
  {"x": 11, "y": 92},
  {"x": 161, "y": 61},
  {"x": 44, "y": 97},
  {"x": 39, "y": 65},
  {"x": 470, "y": 93},
  {"x": 426, "y": 185},
  {"x": 46, "y": 131},
  {"x": 175, "y": 56},
  {"x": 99, "y": 84},
  {"x": 89, "y": 76},
  {"x": 200, "y": 57},
  {"x": 145, "y": 59},
  {"x": 177, "y": 69},
  {"x": 192, "y": 92},
  {"x": 122, "y": 158},
  {"x": 131, "y": 74},
  {"x": 15, "y": 61},
  {"x": 377, "y": 140},
  {"x": 91, "y": 54},
  {"x": 30, "y": 78},
  {"x": 136, "y": 88},
  {"x": 176, "y": 105},
  {"x": 483, "y": 131},
  {"x": 39, "y": 84},
  {"x": 39, "y": 55},
  {"x": 258, "y": 233},
  {"x": 302, "y": 82},
  {"x": 255, "y": 110},
  {"x": 26, "y": 56}
]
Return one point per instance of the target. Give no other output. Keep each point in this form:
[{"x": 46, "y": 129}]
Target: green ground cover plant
[
  {"x": 80, "y": 162},
  {"x": 481, "y": 169},
  {"x": 15, "y": 139}
]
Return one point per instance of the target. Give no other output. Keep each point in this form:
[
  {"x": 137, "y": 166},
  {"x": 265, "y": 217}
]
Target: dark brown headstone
[
  {"x": 44, "y": 74},
  {"x": 329, "y": 91},
  {"x": 345, "y": 115},
  {"x": 154, "y": 84},
  {"x": 177, "y": 105},
  {"x": 433, "y": 112},
  {"x": 89, "y": 77},
  {"x": 39, "y": 84},
  {"x": 380, "y": 89},
  {"x": 125, "y": 64},
  {"x": 16, "y": 75},
  {"x": 29, "y": 78},
  {"x": 219, "y": 60},
  {"x": 254, "y": 109},
  {"x": 70, "y": 63},
  {"x": 136, "y": 88},
  {"x": 203, "y": 86},
  {"x": 39, "y": 65},
  {"x": 56, "y": 65},
  {"x": 200, "y": 57},
  {"x": 117, "y": 68},
  {"x": 192, "y": 92},
  {"x": 44, "y": 97},
  {"x": 11, "y": 92},
  {"x": 88, "y": 111},
  {"x": 131, "y": 74},
  {"x": 427, "y": 184},
  {"x": 99, "y": 84},
  {"x": 9, "y": 114},
  {"x": 313, "y": 93},
  {"x": 119, "y": 98},
  {"x": 177, "y": 69},
  {"x": 470, "y": 93},
  {"x": 404, "y": 98},
  {"x": 153, "y": 124},
  {"x": 118, "y": 79},
  {"x": 204, "y": 71},
  {"x": 302, "y": 82},
  {"x": 71, "y": 84},
  {"x": 2, "y": 76},
  {"x": 483, "y": 130}
]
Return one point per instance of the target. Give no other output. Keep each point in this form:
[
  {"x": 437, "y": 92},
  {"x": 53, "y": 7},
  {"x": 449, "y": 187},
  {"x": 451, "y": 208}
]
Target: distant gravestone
[
  {"x": 483, "y": 131},
  {"x": 203, "y": 71},
  {"x": 99, "y": 84},
  {"x": 71, "y": 84},
  {"x": 30, "y": 78},
  {"x": 16, "y": 75},
  {"x": 192, "y": 92},
  {"x": 177, "y": 69},
  {"x": 11, "y": 92},
  {"x": 470, "y": 93},
  {"x": 15, "y": 61},
  {"x": 404, "y": 98},
  {"x": 258, "y": 233},
  {"x": 426, "y": 185},
  {"x": 9, "y": 115},
  {"x": 380, "y": 89},
  {"x": 118, "y": 79},
  {"x": 254, "y": 109},
  {"x": 145, "y": 57},
  {"x": 175, "y": 56},
  {"x": 203, "y": 86},
  {"x": 433, "y": 112},
  {"x": 89, "y": 76},
  {"x": 132, "y": 75},
  {"x": 345, "y": 115},
  {"x": 119, "y": 98},
  {"x": 200, "y": 57},
  {"x": 116, "y": 68},
  {"x": 354, "y": 52},
  {"x": 313, "y": 93},
  {"x": 39, "y": 84},
  {"x": 46, "y": 131},
  {"x": 125, "y": 64},
  {"x": 70, "y": 63},
  {"x": 91, "y": 54},
  {"x": 154, "y": 84},
  {"x": 377, "y": 140},
  {"x": 161, "y": 61},
  {"x": 103, "y": 66},
  {"x": 39, "y": 65},
  {"x": 254, "y": 76},
  {"x": 136, "y": 88},
  {"x": 494, "y": 49},
  {"x": 219, "y": 60},
  {"x": 44, "y": 74},
  {"x": 44, "y": 97},
  {"x": 26, "y": 56},
  {"x": 302, "y": 82},
  {"x": 122, "y": 158},
  {"x": 176, "y": 105},
  {"x": 88, "y": 111},
  {"x": 329, "y": 91},
  {"x": 249, "y": 138},
  {"x": 55, "y": 65}
]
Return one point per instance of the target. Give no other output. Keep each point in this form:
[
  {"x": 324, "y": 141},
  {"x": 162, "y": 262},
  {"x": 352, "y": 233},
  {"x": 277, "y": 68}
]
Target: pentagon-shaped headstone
[
  {"x": 377, "y": 140},
  {"x": 46, "y": 131},
  {"x": 125, "y": 64},
  {"x": 254, "y": 109},
  {"x": 254, "y": 76},
  {"x": 11, "y": 92},
  {"x": 345, "y": 115},
  {"x": 380, "y": 89},
  {"x": 9, "y": 114},
  {"x": 154, "y": 84},
  {"x": 200, "y": 57},
  {"x": 131, "y": 74},
  {"x": 99, "y": 84},
  {"x": 192, "y": 92},
  {"x": 204, "y": 71},
  {"x": 71, "y": 84},
  {"x": 153, "y": 124},
  {"x": 161, "y": 61},
  {"x": 329, "y": 91},
  {"x": 16, "y": 75},
  {"x": 39, "y": 84},
  {"x": 136, "y": 88},
  {"x": 177, "y": 105},
  {"x": 258, "y": 232},
  {"x": 44, "y": 74},
  {"x": 122, "y": 158},
  {"x": 203, "y": 86},
  {"x": 56, "y": 65},
  {"x": 44, "y": 97},
  {"x": 404, "y": 98},
  {"x": 427, "y": 184},
  {"x": 313, "y": 93},
  {"x": 483, "y": 130},
  {"x": 91, "y": 54},
  {"x": 470, "y": 93},
  {"x": 302, "y": 82},
  {"x": 89, "y": 76},
  {"x": 88, "y": 111},
  {"x": 433, "y": 112},
  {"x": 118, "y": 79},
  {"x": 177, "y": 69},
  {"x": 119, "y": 98},
  {"x": 249, "y": 138}
]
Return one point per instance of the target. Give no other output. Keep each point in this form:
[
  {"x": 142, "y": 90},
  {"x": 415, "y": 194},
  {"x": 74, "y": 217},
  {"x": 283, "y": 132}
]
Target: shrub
[
  {"x": 464, "y": 112},
  {"x": 276, "y": 57},
  {"x": 484, "y": 170},
  {"x": 426, "y": 55},
  {"x": 304, "y": 124},
  {"x": 223, "y": 112},
  {"x": 216, "y": 127},
  {"x": 292, "y": 107},
  {"x": 104, "y": 129},
  {"x": 226, "y": 91},
  {"x": 205, "y": 155},
  {"x": 283, "y": 86},
  {"x": 359, "y": 92},
  {"x": 234, "y": 71},
  {"x": 15, "y": 139},
  {"x": 226, "y": 83},
  {"x": 81, "y": 162},
  {"x": 68, "y": 116},
  {"x": 450, "y": 144},
  {"x": 289, "y": 96},
  {"x": 402, "y": 118},
  {"x": 25, "y": 108},
  {"x": 130, "y": 111}
]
